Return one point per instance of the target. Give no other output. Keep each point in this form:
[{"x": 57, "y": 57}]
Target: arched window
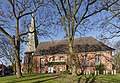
[
  {"x": 42, "y": 62},
  {"x": 84, "y": 60},
  {"x": 97, "y": 59},
  {"x": 51, "y": 59}
]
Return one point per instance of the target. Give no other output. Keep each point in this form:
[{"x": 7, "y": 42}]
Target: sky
[{"x": 61, "y": 36}]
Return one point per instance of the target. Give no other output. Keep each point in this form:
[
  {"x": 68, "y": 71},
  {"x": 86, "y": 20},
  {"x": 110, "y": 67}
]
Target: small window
[
  {"x": 62, "y": 59},
  {"x": 52, "y": 59}
]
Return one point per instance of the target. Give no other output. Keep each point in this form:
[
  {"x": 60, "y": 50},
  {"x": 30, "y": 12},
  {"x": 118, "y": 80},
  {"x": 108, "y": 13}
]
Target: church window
[
  {"x": 42, "y": 62},
  {"x": 84, "y": 60},
  {"x": 97, "y": 59},
  {"x": 62, "y": 59},
  {"x": 51, "y": 59}
]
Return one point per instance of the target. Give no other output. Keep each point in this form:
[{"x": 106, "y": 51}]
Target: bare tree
[
  {"x": 111, "y": 23},
  {"x": 117, "y": 56},
  {"x": 10, "y": 19},
  {"x": 75, "y": 14},
  {"x": 7, "y": 51},
  {"x": 2, "y": 69}
]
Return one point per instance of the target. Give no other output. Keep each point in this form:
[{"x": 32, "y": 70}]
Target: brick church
[{"x": 52, "y": 56}]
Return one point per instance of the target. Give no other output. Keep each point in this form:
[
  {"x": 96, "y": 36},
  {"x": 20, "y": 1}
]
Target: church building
[{"x": 52, "y": 56}]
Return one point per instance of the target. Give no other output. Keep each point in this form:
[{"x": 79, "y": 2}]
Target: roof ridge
[{"x": 65, "y": 39}]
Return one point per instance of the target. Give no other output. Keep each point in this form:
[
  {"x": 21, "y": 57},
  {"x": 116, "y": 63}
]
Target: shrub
[{"x": 100, "y": 67}]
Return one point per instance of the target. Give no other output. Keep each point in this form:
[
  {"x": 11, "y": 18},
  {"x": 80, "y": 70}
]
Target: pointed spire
[
  {"x": 32, "y": 26},
  {"x": 32, "y": 37}
]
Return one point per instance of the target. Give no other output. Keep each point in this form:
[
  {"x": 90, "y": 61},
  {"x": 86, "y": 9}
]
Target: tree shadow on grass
[
  {"x": 79, "y": 79},
  {"x": 28, "y": 75},
  {"x": 47, "y": 79},
  {"x": 36, "y": 78},
  {"x": 88, "y": 79}
]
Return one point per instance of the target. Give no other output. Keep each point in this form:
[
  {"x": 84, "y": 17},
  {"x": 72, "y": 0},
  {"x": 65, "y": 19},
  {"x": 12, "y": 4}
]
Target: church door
[{"x": 50, "y": 69}]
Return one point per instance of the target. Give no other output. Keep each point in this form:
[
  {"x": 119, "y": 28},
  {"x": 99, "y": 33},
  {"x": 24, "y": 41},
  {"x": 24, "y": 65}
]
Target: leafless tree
[
  {"x": 7, "y": 51},
  {"x": 117, "y": 56},
  {"x": 11, "y": 14},
  {"x": 73, "y": 15},
  {"x": 2, "y": 69},
  {"x": 110, "y": 25}
]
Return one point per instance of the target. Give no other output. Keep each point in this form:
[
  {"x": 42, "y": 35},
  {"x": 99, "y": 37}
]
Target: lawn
[{"x": 61, "y": 78}]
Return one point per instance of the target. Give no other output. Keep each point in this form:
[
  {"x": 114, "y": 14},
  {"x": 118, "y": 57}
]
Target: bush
[{"x": 100, "y": 67}]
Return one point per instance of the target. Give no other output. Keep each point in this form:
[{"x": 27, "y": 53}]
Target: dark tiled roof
[
  {"x": 2, "y": 65},
  {"x": 85, "y": 44}
]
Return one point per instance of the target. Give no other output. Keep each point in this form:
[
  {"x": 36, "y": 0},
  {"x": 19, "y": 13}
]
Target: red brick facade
[
  {"x": 51, "y": 56},
  {"x": 58, "y": 63}
]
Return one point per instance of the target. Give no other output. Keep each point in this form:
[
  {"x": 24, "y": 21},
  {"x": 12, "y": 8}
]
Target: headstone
[
  {"x": 106, "y": 72},
  {"x": 95, "y": 72},
  {"x": 86, "y": 72},
  {"x": 103, "y": 71},
  {"x": 114, "y": 71},
  {"x": 89, "y": 72}
]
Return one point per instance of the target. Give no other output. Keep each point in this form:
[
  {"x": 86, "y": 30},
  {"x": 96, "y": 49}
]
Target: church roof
[{"x": 85, "y": 44}]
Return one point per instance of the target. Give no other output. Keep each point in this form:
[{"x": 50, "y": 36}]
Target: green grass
[{"x": 61, "y": 78}]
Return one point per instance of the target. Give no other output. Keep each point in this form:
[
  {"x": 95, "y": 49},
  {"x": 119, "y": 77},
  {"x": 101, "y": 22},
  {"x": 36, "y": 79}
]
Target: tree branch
[
  {"x": 5, "y": 33},
  {"x": 28, "y": 13},
  {"x": 69, "y": 7},
  {"x": 79, "y": 4},
  {"x": 26, "y": 33},
  {"x": 57, "y": 7},
  {"x": 63, "y": 7},
  {"x": 95, "y": 12},
  {"x": 115, "y": 25},
  {"x": 88, "y": 7},
  {"x": 13, "y": 7},
  {"x": 104, "y": 8},
  {"x": 64, "y": 26}
]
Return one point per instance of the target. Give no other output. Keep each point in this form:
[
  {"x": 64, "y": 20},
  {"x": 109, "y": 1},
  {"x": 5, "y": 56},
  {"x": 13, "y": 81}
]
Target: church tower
[{"x": 31, "y": 46}]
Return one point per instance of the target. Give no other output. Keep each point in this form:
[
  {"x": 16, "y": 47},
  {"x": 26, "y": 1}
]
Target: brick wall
[{"x": 58, "y": 66}]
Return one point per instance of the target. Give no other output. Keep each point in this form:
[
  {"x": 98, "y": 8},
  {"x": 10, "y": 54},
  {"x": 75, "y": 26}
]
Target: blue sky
[{"x": 61, "y": 36}]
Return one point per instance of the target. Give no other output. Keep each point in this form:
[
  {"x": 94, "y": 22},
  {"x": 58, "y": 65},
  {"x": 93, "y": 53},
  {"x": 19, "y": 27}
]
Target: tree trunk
[
  {"x": 17, "y": 50},
  {"x": 18, "y": 66},
  {"x": 3, "y": 70},
  {"x": 17, "y": 62},
  {"x": 14, "y": 67},
  {"x": 72, "y": 57}
]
